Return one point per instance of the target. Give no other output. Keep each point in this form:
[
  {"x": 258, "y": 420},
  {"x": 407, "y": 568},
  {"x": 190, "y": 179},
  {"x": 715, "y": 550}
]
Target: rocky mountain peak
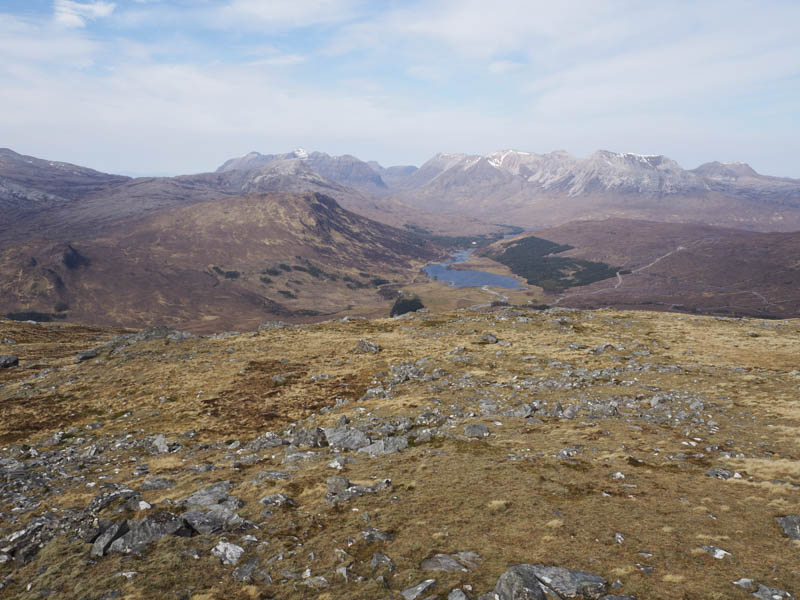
[{"x": 726, "y": 171}]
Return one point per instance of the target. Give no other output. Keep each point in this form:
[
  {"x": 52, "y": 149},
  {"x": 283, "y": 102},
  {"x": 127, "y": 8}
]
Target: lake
[{"x": 468, "y": 278}]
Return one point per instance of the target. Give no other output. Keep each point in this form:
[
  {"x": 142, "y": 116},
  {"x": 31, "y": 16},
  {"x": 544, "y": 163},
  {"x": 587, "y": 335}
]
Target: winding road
[{"x": 633, "y": 272}]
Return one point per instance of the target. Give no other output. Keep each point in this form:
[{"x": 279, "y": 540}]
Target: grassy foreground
[{"x": 603, "y": 430}]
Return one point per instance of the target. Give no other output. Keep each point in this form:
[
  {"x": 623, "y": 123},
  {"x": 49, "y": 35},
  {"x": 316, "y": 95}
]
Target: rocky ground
[{"x": 494, "y": 454}]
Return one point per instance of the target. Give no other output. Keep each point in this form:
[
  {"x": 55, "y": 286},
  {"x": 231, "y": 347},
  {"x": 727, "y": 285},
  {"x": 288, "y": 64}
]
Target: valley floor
[{"x": 363, "y": 458}]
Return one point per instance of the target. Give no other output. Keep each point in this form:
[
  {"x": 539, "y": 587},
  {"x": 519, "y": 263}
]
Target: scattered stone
[
  {"x": 277, "y": 500},
  {"x": 719, "y": 473},
  {"x": 717, "y": 553},
  {"x": 228, "y": 553},
  {"x": 381, "y": 561},
  {"x": 487, "y": 338},
  {"x": 478, "y": 430},
  {"x": 156, "y": 483},
  {"x": 245, "y": 573},
  {"x": 272, "y": 476},
  {"x": 87, "y": 355},
  {"x": 746, "y": 584},
  {"x": 442, "y": 562},
  {"x": 416, "y": 591},
  {"x": 105, "y": 499},
  {"x": 318, "y": 582},
  {"x": 457, "y": 594},
  {"x": 790, "y": 525},
  {"x": 366, "y": 347},
  {"x": 767, "y": 593},
  {"x": 340, "y": 489},
  {"x": 160, "y": 444},
  {"x": 370, "y": 534},
  {"x": 471, "y": 560}
]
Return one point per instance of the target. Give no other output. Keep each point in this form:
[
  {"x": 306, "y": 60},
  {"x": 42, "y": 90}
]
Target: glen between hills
[{"x": 307, "y": 236}]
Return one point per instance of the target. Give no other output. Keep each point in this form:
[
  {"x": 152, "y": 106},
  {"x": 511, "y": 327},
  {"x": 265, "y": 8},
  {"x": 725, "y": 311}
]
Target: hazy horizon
[{"x": 172, "y": 86}]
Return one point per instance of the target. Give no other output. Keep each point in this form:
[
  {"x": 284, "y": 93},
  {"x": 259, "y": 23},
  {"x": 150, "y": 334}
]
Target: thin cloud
[
  {"x": 399, "y": 81},
  {"x": 69, "y": 13},
  {"x": 504, "y": 66},
  {"x": 280, "y": 60},
  {"x": 283, "y": 14}
]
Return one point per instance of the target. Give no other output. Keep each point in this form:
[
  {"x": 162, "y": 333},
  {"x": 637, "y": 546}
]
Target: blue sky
[{"x": 178, "y": 86}]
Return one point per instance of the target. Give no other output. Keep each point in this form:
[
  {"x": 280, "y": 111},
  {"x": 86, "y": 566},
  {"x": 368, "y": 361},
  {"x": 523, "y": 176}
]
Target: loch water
[{"x": 468, "y": 278}]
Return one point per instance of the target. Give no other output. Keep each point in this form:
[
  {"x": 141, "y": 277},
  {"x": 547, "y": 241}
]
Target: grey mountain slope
[
  {"x": 57, "y": 178},
  {"x": 60, "y": 202},
  {"x": 546, "y": 189},
  {"x": 30, "y": 185},
  {"x": 346, "y": 170}
]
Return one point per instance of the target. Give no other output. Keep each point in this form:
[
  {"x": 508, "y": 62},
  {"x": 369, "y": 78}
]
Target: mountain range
[
  {"x": 121, "y": 251},
  {"x": 535, "y": 190}
]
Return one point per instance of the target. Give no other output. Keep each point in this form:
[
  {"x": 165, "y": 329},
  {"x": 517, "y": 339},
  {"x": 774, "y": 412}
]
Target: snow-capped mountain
[
  {"x": 346, "y": 170},
  {"x": 535, "y": 189}
]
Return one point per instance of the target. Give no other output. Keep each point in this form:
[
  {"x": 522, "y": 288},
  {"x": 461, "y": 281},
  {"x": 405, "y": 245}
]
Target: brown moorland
[
  {"x": 678, "y": 266},
  {"x": 632, "y": 445},
  {"x": 215, "y": 266}
]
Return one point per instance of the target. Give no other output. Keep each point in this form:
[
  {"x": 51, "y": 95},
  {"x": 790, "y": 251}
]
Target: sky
[{"x": 151, "y": 87}]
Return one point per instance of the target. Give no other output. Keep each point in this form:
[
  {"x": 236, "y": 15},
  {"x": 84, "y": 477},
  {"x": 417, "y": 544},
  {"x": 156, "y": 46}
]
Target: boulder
[
  {"x": 366, "y": 347},
  {"x": 346, "y": 438},
  {"x": 228, "y": 553},
  {"x": 208, "y": 496},
  {"x": 8, "y": 360},
  {"x": 277, "y": 500},
  {"x": 416, "y": 591},
  {"x": 148, "y": 530},
  {"x": 311, "y": 438},
  {"x": 790, "y": 525},
  {"x": 478, "y": 430},
  {"x": 86, "y": 355},
  {"x": 340, "y": 489},
  {"x": 111, "y": 532},
  {"x": 265, "y": 441},
  {"x": 442, "y": 562},
  {"x": 531, "y": 582},
  {"x": 518, "y": 583},
  {"x": 389, "y": 445}
]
